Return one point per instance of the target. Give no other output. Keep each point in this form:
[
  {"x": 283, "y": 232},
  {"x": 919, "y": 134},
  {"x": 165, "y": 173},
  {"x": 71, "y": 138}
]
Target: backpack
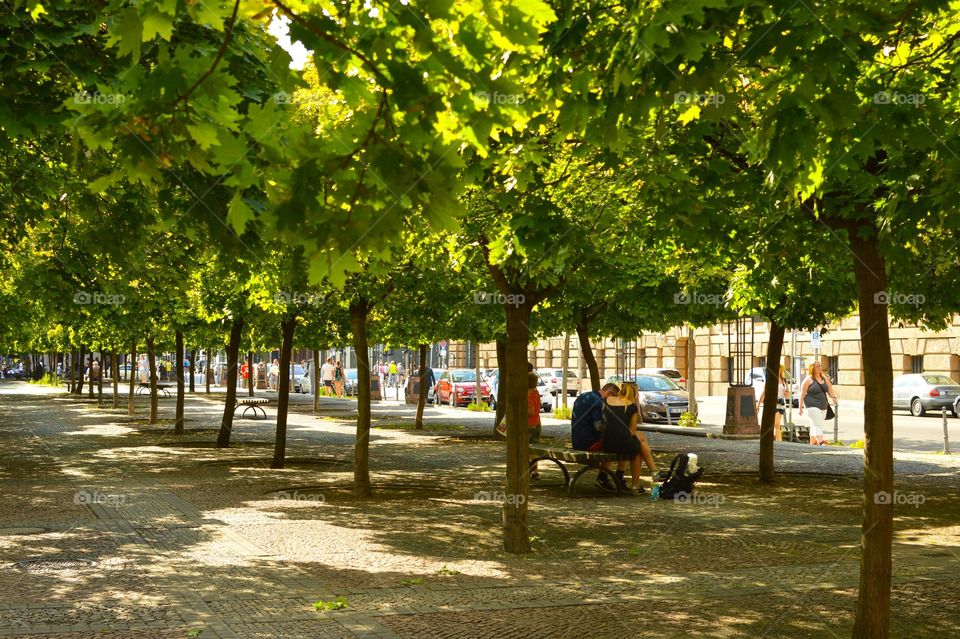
[{"x": 678, "y": 483}]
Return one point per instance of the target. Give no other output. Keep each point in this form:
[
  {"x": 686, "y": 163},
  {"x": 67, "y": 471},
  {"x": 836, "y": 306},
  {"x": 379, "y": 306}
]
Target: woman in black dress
[{"x": 620, "y": 417}]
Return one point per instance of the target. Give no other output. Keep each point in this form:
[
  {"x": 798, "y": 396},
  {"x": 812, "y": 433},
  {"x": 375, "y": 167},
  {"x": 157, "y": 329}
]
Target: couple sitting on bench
[{"x": 607, "y": 421}]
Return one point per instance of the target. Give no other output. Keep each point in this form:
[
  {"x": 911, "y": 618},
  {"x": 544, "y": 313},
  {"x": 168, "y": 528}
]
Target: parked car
[
  {"x": 458, "y": 386},
  {"x": 920, "y": 392},
  {"x": 350, "y": 381},
  {"x": 546, "y": 399},
  {"x": 553, "y": 378},
  {"x": 661, "y": 399},
  {"x": 757, "y": 377},
  {"x": 672, "y": 373},
  {"x": 432, "y": 391},
  {"x": 299, "y": 382}
]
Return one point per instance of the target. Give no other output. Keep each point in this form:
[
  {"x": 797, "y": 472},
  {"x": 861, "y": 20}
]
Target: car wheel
[
  {"x": 452, "y": 400},
  {"x": 916, "y": 407}
]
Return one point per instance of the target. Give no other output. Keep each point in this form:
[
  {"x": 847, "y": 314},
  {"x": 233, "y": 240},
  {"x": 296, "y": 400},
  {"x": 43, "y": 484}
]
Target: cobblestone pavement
[{"x": 112, "y": 527}]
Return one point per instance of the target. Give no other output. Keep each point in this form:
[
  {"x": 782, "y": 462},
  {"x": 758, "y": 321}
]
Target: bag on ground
[{"x": 683, "y": 473}]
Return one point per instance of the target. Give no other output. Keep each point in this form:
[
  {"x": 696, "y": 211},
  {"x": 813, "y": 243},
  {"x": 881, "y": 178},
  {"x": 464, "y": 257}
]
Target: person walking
[
  {"x": 338, "y": 378},
  {"x": 274, "y": 374},
  {"x": 814, "y": 393}
]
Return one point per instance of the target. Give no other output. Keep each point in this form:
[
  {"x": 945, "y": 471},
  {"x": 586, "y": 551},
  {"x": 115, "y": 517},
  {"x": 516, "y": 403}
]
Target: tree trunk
[
  {"x": 876, "y": 536},
  {"x": 78, "y": 389},
  {"x": 584, "y": 336},
  {"x": 692, "y": 370},
  {"x": 178, "y": 425},
  {"x": 422, "y": 399},
  {"x": 501, "y": 385},
  {"x": 115, "y": 369},
  {"x": 230, "y": 404},
  {"x": 516, "y": 535},
  {"x": 361, "y": 454},
  {"x": 72, "y": 370},
  {"x": 152, "y": 362},
  {"x": 287, "y": 327},
  {"x": 566, "y": 362},
  {"x": 770, "y": 391},
  {"x": 193, "y": 369},
  {"x": 99, "y": 380},
  {"x": 131, "y": 407},
  {"x": 251, "y": 373},
  {"x": 315, "y": 380}
]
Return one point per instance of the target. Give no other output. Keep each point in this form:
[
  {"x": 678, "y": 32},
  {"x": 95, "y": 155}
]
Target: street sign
[
  {"x": 815, "y": 339},
  {"x": 443, "y": 344}
]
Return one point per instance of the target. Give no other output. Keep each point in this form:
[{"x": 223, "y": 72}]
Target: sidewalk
[{"x": 137, "y": 533}]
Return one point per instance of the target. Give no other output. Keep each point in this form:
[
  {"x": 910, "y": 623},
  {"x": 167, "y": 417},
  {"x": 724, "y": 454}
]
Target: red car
[{"x": 458, "y": 387}]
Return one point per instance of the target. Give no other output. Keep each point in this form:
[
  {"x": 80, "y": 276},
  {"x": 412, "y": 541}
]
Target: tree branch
[{"x": 227, "y": 36}]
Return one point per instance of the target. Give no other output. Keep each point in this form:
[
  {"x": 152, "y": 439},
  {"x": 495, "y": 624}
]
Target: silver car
[
  {"x": 553, "y": 379},
  {"x": 661, "y": 399},
  {"x": 920, "y": 392}
]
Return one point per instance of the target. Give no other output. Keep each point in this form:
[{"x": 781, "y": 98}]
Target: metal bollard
[
  {"x": 946, "y": 439},
  {"x": 836, "y": 423}
]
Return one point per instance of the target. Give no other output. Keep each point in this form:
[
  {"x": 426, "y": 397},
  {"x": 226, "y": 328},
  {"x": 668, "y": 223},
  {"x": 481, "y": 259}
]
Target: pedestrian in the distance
[
  {"x": 783, "y": 394},
  {"x": 814, "y": 393}
]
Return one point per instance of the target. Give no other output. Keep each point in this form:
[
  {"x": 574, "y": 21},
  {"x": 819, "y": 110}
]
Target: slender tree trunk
[
  {"x": 193, "y": 369},
  {"x": 476, "y": 371},
  {"x": 99, "y": 380},
  {"x": 115, "y": 369},
  {"x": 152, "y": 362},
  {"x": 78, "y": 389},
  {"x": 178, "y": 425},
  {"x": 207, "y": 371},
  {"x": 73, "y": 370},
  {"x": 516, "y": 535},
  {"x": 131, "y": 406},
  {"x": 770, "y": 392},
  {"x": 876, "y": 536},
  {"x": 501, "y": 384},
  {"x": 315, "y": 380},
  {"x": 566, "y": 362},
  {"x": 422, "y": 399},
  {"x": 692, "y": 370},
  {"x": 230, "y": 404},
  {"x": 583, "y": 335},
  {"x": 251, "y": 373},
  {"x": 287, "y": 327},
  {"x": 361, "y": 454}
]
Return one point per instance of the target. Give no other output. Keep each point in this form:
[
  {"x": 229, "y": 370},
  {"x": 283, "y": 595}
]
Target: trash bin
[{"x": 375, "y": 394}]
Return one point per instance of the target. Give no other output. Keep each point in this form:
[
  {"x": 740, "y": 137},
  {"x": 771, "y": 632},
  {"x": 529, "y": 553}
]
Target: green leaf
[
  {"x": 127, "y": 34},
  {"x": 204, "y": 134},
  {"x": 239, "y": 214},
  {"x": 157, "y": 24}
]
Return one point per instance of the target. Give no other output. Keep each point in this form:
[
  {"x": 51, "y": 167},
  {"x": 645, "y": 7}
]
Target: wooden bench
[
  {"x": 561, "y": 456},
  {"x": 252, "y": 404},
  {"x": 144, "y": 387}
]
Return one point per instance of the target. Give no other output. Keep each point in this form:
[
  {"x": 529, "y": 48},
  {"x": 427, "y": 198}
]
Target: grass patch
[{"x": 325, "y": 606}]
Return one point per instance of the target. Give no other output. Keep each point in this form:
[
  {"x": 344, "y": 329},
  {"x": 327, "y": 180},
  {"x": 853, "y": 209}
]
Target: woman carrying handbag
[{"x": 814, "y": 392}]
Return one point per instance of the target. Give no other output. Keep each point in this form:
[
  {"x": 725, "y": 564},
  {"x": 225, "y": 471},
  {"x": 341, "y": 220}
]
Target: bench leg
[
  {"x": 577, "y": 476},
  {"x": 563, "y": 469},
  {"x": 263, "y": 413}
]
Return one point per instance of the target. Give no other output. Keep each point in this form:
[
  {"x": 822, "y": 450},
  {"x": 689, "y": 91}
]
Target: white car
[
  {"x": 546, "y": 399},
  {"x": 553, "y": 378},
  {"x": 757, "y": 377}
]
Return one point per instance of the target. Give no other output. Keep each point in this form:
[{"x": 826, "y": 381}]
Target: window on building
[
  {"x": 727, "y": 369},
  {"x": 916, "y": 364},
  {"x": 641, "y": 358},
  {"x": 833, "y": 368},
  {"x": 762, "y": 362}
]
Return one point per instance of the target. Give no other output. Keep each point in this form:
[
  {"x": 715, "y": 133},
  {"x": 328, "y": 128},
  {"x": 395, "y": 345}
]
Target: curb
[{"x": 693, "y": 432}]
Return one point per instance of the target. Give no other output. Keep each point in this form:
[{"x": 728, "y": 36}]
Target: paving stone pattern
[{"x": 112, "y": 527}]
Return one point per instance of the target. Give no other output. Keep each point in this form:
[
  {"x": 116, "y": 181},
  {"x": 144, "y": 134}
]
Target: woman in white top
[
  {"x": 783, "y": 394},
  {"x": 814, "y": 391}
]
